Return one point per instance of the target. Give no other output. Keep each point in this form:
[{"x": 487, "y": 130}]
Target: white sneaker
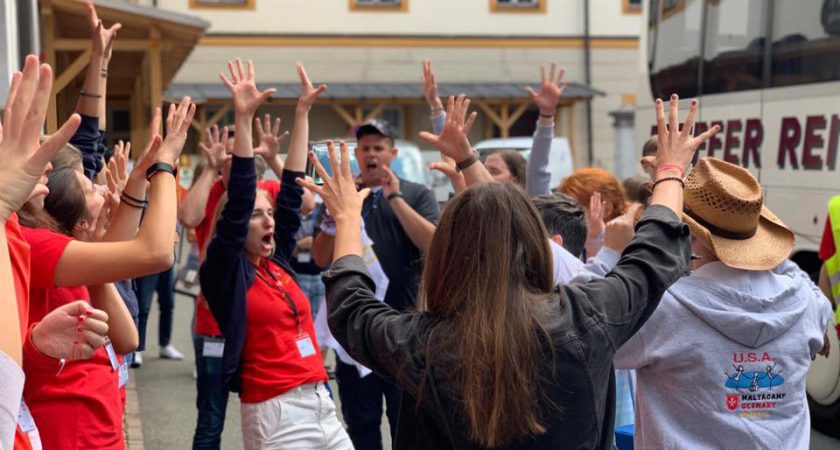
[
  {"x": 138, "y": 360},
  {"x": 170, "y": 352}
]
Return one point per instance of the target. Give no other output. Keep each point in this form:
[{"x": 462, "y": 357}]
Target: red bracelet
[{"x": 678, "y": 167}]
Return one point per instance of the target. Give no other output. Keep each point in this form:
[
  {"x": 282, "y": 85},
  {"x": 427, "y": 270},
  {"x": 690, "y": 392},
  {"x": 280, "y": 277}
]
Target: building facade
[{"x": 371, "y": 51}]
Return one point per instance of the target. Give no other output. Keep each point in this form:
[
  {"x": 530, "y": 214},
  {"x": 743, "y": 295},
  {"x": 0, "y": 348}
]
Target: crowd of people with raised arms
[{"x": 520, "y": 315}]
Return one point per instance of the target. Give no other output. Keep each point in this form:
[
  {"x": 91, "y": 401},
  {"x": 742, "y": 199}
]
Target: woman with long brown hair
[{"x": 495, "y": 358}]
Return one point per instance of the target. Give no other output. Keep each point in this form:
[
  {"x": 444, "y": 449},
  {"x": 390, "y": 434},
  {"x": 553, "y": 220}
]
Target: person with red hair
[{"x": 604, "y": 195}]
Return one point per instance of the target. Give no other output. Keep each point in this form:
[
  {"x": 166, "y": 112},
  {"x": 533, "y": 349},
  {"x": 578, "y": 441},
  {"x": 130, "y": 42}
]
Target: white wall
[
  {"x": 8, "y": 47},
  {"x": 424, "y": 17}
]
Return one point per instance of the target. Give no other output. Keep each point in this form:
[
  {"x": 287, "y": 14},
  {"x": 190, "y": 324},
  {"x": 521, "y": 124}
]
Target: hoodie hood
[{"x": 748, "y": 307}]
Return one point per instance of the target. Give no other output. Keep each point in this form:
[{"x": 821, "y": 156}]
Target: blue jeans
[
  {"x": 164, "y": 284},
  {"x": 211, "y": 400},
  {"x": 361, "y": 405}
]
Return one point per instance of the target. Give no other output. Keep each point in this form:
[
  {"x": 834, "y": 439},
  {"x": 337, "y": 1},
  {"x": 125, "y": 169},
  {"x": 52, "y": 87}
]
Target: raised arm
[
  {"x": 270, "y": 139},
  {"x": 453, "y": 142},
  {"x": 419, "y": 229},
  {"x": 192, "y": 208},
  {"x": 24, "y": 163},
  {"x": 151, "y": 251},
  {"x": 121, "y": 328},
  {"x": 446, "y": 165},
  {"x": 287, "y": 208},
  {"x": 92, "y": 96},
  {"x": 547, "y": 99},
  {"x": 660, "y": 252}
]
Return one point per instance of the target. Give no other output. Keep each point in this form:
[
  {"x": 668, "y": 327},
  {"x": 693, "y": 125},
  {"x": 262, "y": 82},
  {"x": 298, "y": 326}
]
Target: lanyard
[
  {"x": 278, "y": 286},
  {"x": 373, "y": 204}
]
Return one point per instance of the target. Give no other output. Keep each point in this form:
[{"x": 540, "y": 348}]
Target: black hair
[{"x": 563, "y": 215}]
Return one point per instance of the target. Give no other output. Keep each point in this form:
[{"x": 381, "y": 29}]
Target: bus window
[
  {"x": 734, "y": 46},
  {"x": 675, "y": 53},
  {"x": 806, "y": 42}
]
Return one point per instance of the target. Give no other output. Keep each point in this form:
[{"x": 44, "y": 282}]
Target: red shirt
[
  {"x": 827, "y": 245},
  {"x": 205, "y": 324},
  {"x": 271, "y": 363},
  {"x": 19, "y": 254},
  {"x": 78, "y": 406}
]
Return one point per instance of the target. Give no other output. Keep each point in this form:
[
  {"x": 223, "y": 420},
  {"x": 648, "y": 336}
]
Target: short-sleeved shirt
[
  {"x": 19, "y": 255},
  {"x": 78, "y": 406},
  {"x": 400, "y": 258},
  {"x": 205, "y": 324},
  {"x": 827, "y": 245}
]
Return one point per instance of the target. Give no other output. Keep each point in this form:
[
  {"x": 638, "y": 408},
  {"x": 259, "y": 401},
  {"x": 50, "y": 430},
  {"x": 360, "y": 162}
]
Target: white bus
[{"x": 767, "y": 72}]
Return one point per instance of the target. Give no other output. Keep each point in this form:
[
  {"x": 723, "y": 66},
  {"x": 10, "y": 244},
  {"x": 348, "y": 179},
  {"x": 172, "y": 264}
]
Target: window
[
  {"x": 806, "y": 42},
  {"x": 674, "y": 55},
  {"x": 379, "y": 5},
  {"x": 223, "y": 4},
  {"x": 734, "y": 50},
  {"x": 631, "y": 6},
  {"x": 523, "y": 6}
]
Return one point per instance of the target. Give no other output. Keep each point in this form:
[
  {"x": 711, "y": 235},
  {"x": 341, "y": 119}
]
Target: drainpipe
[{"x": 587, "y": 76}]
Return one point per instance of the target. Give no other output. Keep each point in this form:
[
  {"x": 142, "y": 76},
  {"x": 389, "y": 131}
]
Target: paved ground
[{"x": 166, "y": 392}]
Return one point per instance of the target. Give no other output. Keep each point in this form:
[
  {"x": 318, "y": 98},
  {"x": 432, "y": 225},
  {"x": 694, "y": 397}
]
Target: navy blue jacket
[
  {"x": 88, "y": 139},
  {"x": 226, "y": 274}
]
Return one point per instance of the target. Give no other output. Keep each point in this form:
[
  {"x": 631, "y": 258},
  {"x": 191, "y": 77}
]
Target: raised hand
[
  {"x": 551, "y": 89},
  {"x": 215, "y": 148},
  {"x": 390, "y": 182},
  {"x": 430, "y": 90},
  {"x": 621, "y": 230},
  {"x": 102, "y": 38},
  {"x": 177, "y": 125},
  {"x": 269, "y": 137},
  {"x": 308, "y": 93},
  {"x": 677, "y": 147},
  {"x": 118, "y": 167},
  {"x": 71, "y": 331},
  {"x": 24, "y": 159},
  {"x": 243, "y": 86},
  {"x": 452, "y": 141},
  {"x": 338, "y": 191}
]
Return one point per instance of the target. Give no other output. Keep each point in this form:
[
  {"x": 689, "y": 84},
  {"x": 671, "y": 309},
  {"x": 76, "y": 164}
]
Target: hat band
[{"x": 718, "y": 231}]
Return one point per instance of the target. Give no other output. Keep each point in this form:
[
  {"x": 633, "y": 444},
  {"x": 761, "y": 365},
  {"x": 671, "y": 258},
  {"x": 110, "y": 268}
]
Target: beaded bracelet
[{"x": 680, "y": 180}]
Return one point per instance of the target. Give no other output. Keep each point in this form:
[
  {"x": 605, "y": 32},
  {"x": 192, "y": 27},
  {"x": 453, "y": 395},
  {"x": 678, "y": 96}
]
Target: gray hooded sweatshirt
[{"x": 721, "y": 363}]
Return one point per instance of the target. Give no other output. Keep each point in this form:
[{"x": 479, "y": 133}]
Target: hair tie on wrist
[
  {"x": 85, "y": 94},
  {"x": 678, "y": 167}
]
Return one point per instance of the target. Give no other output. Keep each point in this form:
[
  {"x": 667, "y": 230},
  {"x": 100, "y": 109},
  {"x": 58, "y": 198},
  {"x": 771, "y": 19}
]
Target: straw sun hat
[{"x": 724, "y": 208}]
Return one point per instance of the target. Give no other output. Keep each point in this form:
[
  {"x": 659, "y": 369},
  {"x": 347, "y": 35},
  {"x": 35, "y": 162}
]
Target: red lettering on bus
[
  {"x": 699, "y": 128},
  {"x": 789, "y": 137},
  {"x": 813, "y": 141},
  {"x": 833, "y": 134},
  {"x": 753, "y": 137},
  {"x": 714, "y": 142},
  {"x": 732, "y": 142}
]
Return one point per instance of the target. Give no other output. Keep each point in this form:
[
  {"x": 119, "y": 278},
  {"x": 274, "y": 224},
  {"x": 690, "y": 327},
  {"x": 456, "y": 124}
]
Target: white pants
[{"x": 303, "y": 418}]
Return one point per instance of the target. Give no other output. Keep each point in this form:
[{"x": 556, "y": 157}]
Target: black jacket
[
  {"x": 226, "y": 274},
  {"x": 589, "y": 323}
]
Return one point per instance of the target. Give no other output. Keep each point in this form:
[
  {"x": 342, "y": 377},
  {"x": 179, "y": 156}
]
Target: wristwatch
[
  {"x": 394, "y": 195},
  {"x": 161, "y": 167}
]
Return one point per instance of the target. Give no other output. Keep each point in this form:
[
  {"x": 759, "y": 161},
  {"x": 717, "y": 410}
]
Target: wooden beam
[
  {"x": 128, "y": 45},
  {"x": 199, "y": 123},
  {"x": 373, "y": 113},
  {"x": 48, "y": 26},
  {"x": 517, "y": 113},
  {"x": 136, "y": 112},
  {"x": 408, "y": 122},
  {"x": 345, "y": 116},
  {"x": 155, "y": 69},
  {"x": 504, "y": 114},
  {"x": 74, "y": 69},
  {"x": 570, "y": 124},
  {"x": 215, "y": 118},
  {"x": 358, "y": 116},
  {"x": 490, "y": 112}
]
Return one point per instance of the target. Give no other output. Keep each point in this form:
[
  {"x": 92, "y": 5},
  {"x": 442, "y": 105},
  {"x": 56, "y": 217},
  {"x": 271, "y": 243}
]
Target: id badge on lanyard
[
  {"x": 112, "y": 355},
  {"x": 27, "y": 425},
  {"x": 304, "y": 345}
]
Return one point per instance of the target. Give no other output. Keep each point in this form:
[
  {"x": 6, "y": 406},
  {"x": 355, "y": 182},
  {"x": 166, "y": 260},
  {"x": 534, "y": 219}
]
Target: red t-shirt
[
  {"x": 19, "y": 253},
  {"x": 271, "y": 363},
  {"x": 827, "y": 246},
  {"x": 205, "y": 324},
  {"x": 77, "y": 406}
]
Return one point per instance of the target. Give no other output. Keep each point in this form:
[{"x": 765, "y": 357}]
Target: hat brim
[{"x": 771, "y": 244}]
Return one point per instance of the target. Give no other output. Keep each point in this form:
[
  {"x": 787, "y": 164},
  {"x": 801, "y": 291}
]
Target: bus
[{"x": 768, "y": 73}]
